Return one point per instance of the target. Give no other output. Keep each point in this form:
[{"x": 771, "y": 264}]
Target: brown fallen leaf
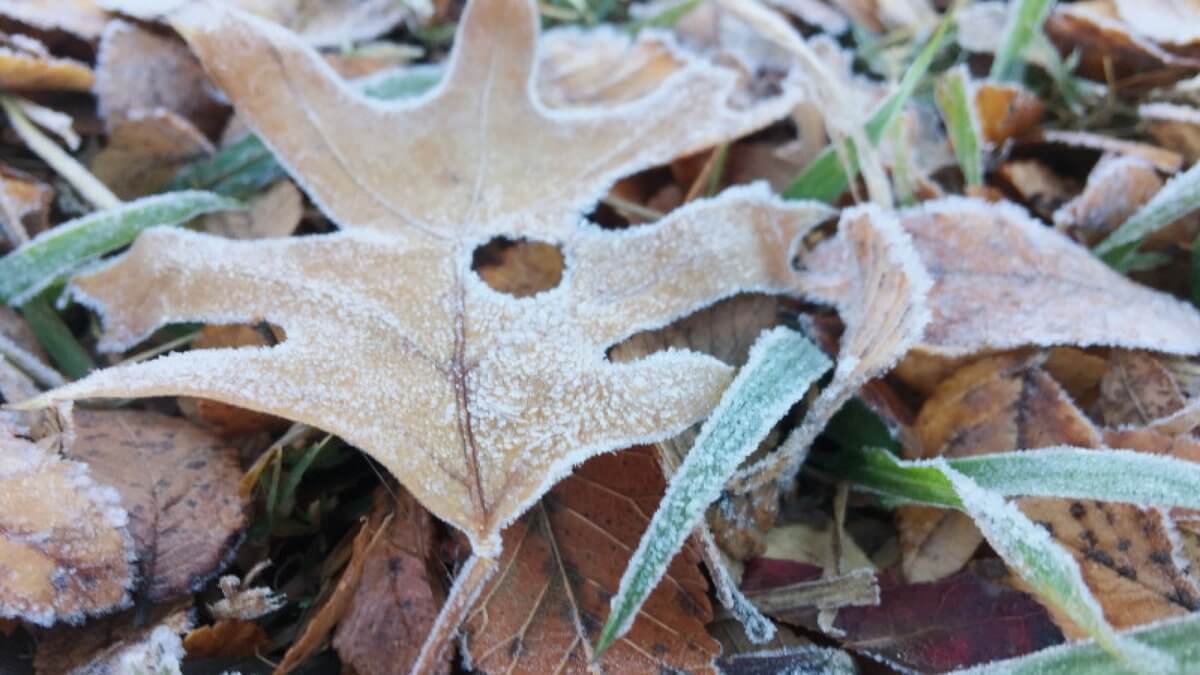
[
  {"x": 398, "y": 594},
  {"x": 146, "y": 148},
  {"x": 1171, "y": 22},
  {"x": 1166, "y": 161},
  {"x": 329, "y": 23},
  {"x": 489, "y": 399},
  {"x": 1173, "y": 126},
  {"x": 998, "y": 404},
  {"x": 139, "y": 72},
  {"x": 274, "y": 212},
  {"x": 24, "y": 205},
  {"x": 82, "y": 18},
  {"x": 1116, "y": 187},
  {"x": 1106, "y": 42},
  {"x": 66, "y": 551},
  {"x": 184, "y": 512},
  {"x": 1006, "y": 110},
  {"x": 993, "y": 261},
  {"x": 222, "y": 418},
  {"x": 562, "y": 562},
  {"x": 228, "y": 638},
  {"x": 1035, "y": 185},
  {"x": 115, "y": 645},
  {"x": 1137, "y": 390},
  {"x": 25, "y": 64}
]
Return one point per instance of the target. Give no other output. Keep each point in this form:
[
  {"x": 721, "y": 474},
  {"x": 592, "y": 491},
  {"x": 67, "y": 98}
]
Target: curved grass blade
[
  {"x": 1066, "y": 472},
  {"x": 1025, "y": 19},
  {"x": 1179, "y": 197},
  {"x": 1048, "y": 568},
  {"x": 825, "y": 178},
  {"x": 954, "y": 101},
  {"x": 58, "y": 251},
  {"x": 781, "y": 367}
]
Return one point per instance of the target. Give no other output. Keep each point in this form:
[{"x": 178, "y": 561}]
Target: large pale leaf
[{"x": 475, "y": 400}]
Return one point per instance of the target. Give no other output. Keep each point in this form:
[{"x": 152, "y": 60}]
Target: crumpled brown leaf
[
  {"x": 1106, "y": 42},
  {"x": 1003, "y": 280},
  {"x": 1116, "y": 188},
  {"x": 25, "y": 64},
  {"x": 179, "y": 484},
  {"x": 66, "y": 550},
  {"x": 81, "y": 18},
  {"x": 488, "y": 399},
  {"x": 146, "y": 148},
  {"x": 1137, "y": 390},
  {"x": 398, "y": 595},
  {"x": 139, "y": 73},
  {"x": 24, "y": 205},
  {"x": 1173, "y": 126},
  {"x": 116, "y": 645},
  {"x": 561, "y": 563}
]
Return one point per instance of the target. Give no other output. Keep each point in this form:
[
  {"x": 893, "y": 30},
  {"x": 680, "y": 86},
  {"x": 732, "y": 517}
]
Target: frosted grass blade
[
  {"x": 954, "y": 101},
  {"x": 1048, "y": 568},
  {"x": 1025, "y": 19},
  {"x": 1067, "y": 472},
  {"x": 781, "y": 367},
  {"x": 59, "y": 250},
  {"x": 1179, "y": 197},
  {"x": 825, "y": 178}
]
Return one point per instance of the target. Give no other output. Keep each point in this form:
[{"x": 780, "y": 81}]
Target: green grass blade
[
  {"x": 1179, "y": 197},
  {"x": 56, "y": 338},
  {"x": 954, "y": 101},
  {"x": 59, "y": 250},
  {"x": 1179, "y": 637},
  {"x": 1048, "y": 568},
  {"x": 1025, "y": 19},
  {"x": 781, "y": 367},
  {"x": 825, "y": 178},
  {"x": 1067, "y": 472}
]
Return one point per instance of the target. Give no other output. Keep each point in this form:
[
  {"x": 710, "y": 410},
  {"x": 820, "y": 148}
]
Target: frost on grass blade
[
  {"x": 59, "y": 250},
  {"x": 781, "y": 367},
  {"x": 956, "y": 100},
  {"x": 1048, "y": 569},
  {"x": 1025, "y": 19},
  {"x": 1178, "y": 637},
  {"x": 825, "y": 178},
  {"x": 1138, "y": 478},
  {"x": 1179, "y": 197}
]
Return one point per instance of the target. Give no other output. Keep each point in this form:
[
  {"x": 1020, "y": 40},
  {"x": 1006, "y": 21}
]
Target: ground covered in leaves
[{"x": 814, "y": 336}]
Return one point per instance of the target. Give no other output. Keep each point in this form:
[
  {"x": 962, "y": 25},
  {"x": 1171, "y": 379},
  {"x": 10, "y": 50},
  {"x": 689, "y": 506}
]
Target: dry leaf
[
  {"x": 1137, "y": 390},
  {"x": 488, "y": 399},
  {"x": 184, "y": 512},
  {"x": 562, "y": 562},
  {"x": 81, "y": 18},
  {"x": 25, "y": 64},
  {"x": 1105, "y": 42},
  {"x": 329, "y": 23},
  {"x": 1173, "y": 126},
  {"x": 24, "y": 205},
  {"x": 1166, "y": 161},
  {"x": 138, "y": 71},
  {"x": 999, "y": 404},
  {"x": 146, "y": 148},
  {"x": 398, "y": 594},
  {"x": 224, "y": 419},
  {"x": 1172, "y": 22},
  {"x": 1003, "y": 280},
  {"x": 228, "y": 638},
  {"x": 1006, "y": 110},
  {"x": 116, "y": 645},
  {"x": 1116, "y": 188},
  {"x": 66, "y": 552},
  {"x": 1036, "y": 184},
  {"x": 274, "y": 212}
]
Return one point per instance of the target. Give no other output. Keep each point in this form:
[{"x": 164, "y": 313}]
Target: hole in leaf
[{"x": 519, "y": 267}]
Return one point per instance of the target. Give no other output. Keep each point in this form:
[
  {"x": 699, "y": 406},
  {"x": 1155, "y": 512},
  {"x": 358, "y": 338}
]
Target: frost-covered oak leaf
[{"x": 475, "y": 400}]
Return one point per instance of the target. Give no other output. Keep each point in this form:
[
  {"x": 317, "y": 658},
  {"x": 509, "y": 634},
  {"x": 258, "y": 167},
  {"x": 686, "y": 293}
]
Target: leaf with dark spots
[
  {"x": 185, "y": 514},
  {"x": 562, "y": 563}
]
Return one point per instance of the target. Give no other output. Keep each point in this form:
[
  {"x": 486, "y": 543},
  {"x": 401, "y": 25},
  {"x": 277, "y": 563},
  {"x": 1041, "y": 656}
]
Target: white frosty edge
[{"x": 1169, "y": 112}]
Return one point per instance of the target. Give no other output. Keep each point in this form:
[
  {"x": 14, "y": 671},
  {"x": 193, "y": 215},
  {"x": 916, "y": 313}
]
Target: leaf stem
[{"x": 471, "y": 579}]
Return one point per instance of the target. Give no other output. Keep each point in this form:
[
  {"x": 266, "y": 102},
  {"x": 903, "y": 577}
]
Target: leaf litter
[{"x": 504, "y": 260}]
